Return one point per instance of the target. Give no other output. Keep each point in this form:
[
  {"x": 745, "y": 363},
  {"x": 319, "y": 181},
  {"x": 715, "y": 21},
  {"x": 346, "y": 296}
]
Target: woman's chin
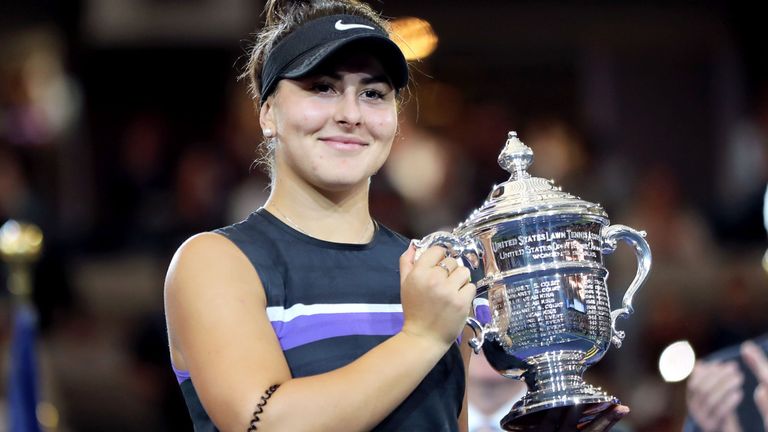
[{"x": 344, "y": 183}]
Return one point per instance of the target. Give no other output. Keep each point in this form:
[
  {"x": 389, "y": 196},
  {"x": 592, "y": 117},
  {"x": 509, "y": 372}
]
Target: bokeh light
[
  {"x": 676, "y": 361},
  {"x": 414, "y": 36}
]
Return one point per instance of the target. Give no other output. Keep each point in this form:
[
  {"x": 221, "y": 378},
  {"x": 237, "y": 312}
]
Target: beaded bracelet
[{"x": 260, "y": 407}]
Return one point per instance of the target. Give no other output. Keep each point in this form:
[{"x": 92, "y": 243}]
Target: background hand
[
  {"x": 714, "y": 390},
  {"x": 755, "y": 358}
]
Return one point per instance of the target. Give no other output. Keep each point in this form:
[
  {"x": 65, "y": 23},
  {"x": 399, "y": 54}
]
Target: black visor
[{"x": 302, "y": 51}]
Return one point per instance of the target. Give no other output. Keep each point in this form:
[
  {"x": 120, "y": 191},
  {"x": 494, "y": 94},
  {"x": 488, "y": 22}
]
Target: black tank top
[{"x": 330, "y": 303}]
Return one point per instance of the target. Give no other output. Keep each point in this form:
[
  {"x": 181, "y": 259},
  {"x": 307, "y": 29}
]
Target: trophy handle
[
  {"x": 466, "y": 248},
  {"x": 476, "y": 342},
  {"x": 611, "y": 235}
]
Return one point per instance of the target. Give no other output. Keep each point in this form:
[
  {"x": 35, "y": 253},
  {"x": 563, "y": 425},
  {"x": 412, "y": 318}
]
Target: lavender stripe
[
  {"x": 311, "y": 328},
  {"x": 181, "y": 375}
]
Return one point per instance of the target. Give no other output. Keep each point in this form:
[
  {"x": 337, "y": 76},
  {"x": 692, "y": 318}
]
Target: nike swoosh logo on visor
[{"x": 341, "y": 26}]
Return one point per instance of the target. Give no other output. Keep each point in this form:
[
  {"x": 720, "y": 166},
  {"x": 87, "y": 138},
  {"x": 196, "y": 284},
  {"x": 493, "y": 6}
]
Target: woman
[{"x": 299, "y": 318}]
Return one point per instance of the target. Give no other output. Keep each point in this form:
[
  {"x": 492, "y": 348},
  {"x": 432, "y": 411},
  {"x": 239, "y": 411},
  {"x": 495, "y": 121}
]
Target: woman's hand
[
  {"x": 607, "y": 419},
  {"x": 436, "y": 294},
  {"x": 714, "y": 390}
]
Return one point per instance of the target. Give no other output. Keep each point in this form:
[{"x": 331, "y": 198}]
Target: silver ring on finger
[{"x": 445, "y": 267}]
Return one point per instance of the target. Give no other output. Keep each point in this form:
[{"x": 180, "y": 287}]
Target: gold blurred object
[
  {"x": 47, "y": 415},
  {"x": 20, "y": 247},
  {"x": 414, "y": 36}
]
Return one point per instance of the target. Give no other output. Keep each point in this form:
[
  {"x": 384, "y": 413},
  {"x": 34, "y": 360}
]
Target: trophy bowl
[{"x": 542, "y": 313}]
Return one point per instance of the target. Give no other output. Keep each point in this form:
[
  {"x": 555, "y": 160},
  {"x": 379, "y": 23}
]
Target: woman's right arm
[{"x": 216, "y": 310}]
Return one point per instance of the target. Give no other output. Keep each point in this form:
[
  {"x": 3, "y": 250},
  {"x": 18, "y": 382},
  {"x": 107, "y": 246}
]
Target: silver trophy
[{"x": 542, "y": 313}]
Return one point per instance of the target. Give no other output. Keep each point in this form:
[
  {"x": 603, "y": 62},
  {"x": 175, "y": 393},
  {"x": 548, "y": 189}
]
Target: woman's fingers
[
  {"x": 608, "y": 419},
  {"x": 436, "y": 294},
  {"x": 459, "y": 277},
  {"x": 406, "y": 262},
  {"x": 449, "y": 265},
  {"x": 431, "y": 256}
]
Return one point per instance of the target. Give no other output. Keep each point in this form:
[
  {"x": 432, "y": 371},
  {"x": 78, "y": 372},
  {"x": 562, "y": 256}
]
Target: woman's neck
[{"x": 335, "y": 216}]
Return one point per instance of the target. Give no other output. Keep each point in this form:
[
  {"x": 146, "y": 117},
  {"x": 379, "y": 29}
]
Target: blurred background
[{"x": 123, "y": 130}]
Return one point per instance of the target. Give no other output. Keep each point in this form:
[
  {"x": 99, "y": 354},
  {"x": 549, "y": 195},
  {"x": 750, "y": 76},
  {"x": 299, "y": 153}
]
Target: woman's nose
[{"x": 348, "y": 110}]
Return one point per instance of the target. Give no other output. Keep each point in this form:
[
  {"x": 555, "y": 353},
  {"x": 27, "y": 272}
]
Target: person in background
[
  {"x": 490, "y": 395},
  {"x": 728, "y": 391}
]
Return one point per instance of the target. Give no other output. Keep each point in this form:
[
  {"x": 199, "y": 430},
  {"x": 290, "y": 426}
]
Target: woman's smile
[{"x": 345, "y": 143}]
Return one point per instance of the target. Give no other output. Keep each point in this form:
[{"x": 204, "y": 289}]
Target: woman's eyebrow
[
  {"x": 331, "y": 75},
  {"x": 376, "y": 79},
  {"x": 380, "y": 78}
]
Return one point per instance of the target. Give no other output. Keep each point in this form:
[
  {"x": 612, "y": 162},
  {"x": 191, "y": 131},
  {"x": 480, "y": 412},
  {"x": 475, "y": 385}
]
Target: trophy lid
[{"x": 523, "y": 195}]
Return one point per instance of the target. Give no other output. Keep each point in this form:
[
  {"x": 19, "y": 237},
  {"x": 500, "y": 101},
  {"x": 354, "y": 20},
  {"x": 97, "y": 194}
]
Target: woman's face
[{"x": 335, "y": 128}]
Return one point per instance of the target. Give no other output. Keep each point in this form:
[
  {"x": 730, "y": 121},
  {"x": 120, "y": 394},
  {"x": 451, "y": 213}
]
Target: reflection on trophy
[
  {"x": 542, "y": 313},
  {"x": 575, "y": 287}
]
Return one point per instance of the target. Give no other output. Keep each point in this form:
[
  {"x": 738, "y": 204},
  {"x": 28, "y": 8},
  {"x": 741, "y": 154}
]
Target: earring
[{"x": 268, "y": 133}]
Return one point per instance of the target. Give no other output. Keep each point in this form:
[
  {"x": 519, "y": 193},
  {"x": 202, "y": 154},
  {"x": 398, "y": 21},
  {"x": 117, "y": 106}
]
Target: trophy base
[
  {"x": 573, "y": 416},
  {"x": 558, "y": 398}
]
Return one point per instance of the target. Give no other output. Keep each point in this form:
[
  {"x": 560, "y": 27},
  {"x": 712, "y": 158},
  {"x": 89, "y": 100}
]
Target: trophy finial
[{"x": 516, "y": 157}]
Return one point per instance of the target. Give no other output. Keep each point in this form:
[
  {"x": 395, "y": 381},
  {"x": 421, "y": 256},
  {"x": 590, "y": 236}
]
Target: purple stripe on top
[
  {"x": 311, "y": 328},
  {"x": 181, "y": 375}
]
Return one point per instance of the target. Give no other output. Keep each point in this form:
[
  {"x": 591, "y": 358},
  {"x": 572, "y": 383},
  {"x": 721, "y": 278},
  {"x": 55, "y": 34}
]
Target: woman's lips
[{"x": 344, "y": 143}]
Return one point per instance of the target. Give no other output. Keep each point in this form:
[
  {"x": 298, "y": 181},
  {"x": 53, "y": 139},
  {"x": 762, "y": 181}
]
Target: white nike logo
[{"x": 341, "y": 26}]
